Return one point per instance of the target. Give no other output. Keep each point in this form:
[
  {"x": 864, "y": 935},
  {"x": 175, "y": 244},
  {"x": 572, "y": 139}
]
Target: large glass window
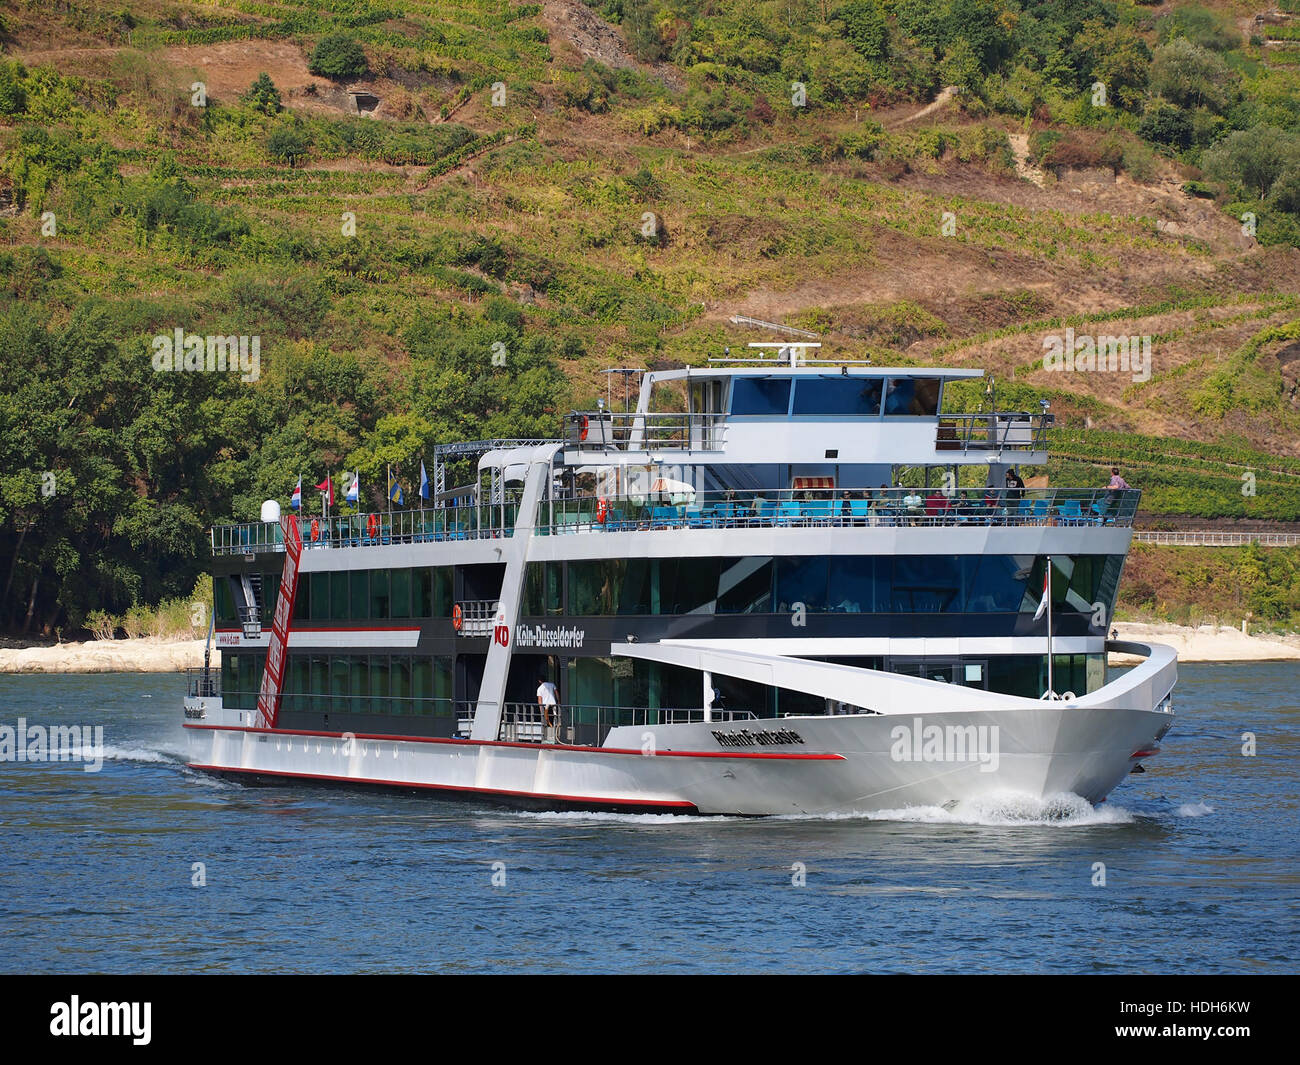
[
  {"x": 422, "y": 593},
  {"x": 837, "y": 395},
  {"x": 999, "y": 583},
  {"x": 401, "y": 593},
  {"x": 340, "y": 607},
  {"x": 745, "y": 586},
  {"x": 918, "y": 396},
  {"x": 320, "y": 596},
  {"x": 379, "y": 593},
  {"x": 379, "y": 684},
  {"x": 422, "y": 685},
  {"x": 859, "y": 585},
  {"x": 801, "y": 580},
  {"x": 760, "y": 395},
  {"x": 359, "y": 597},
  {"x": 927, "y": 584},
  {"x": 223, "y": 600}
]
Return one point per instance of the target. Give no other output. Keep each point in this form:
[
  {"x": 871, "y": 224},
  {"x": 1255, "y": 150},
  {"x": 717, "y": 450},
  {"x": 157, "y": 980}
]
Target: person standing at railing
[{"x": 1117, "y": 485}]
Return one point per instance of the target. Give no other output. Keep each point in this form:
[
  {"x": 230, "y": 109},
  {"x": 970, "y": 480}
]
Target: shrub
[
  {"x": 1163, "y": 123},
  {"x": 338, "y": 56},
  {"x": 263, "y": 95},
  {"x": 13, "y": 98},
  {"x": 286, "y": 145}
]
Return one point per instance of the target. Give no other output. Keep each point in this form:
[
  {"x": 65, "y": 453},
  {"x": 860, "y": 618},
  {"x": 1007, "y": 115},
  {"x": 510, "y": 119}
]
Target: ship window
[
  {"x": 223, "y": 601},
  {"x": 339, "y": 686},
  {"x": 359, "y": 600},
  {"x": 320, "y": 596},
  {"x": 360, "y": 684},
  {"x": 339, "y": 595},
  {"x": 379, "y": 682},
  {"x": 927, "y": 584},
  {"x": 555, "y": 589},
  {"x": 229, "y": 678},
  {"x": 399, "y": 683},
  {"x": 634, "y": 597},
  {"x": 302, "y": 599},
  {"x": 689, "y": 585},
  {"x": 854, "y": 396},
  {"x": 760, "y": 396},
  {"x": 998, "y": 584},
  {"x": 801, "y": 581},
  {"x": 534, "y": 585},
  {"x": 270, "y": 596},
  {"x": 379, "y": 595},
  {"x": 745, "y": 586},
  {"x": 422, "y": 593},
  {"x": 401, "y": 593},
  {"x": 442, "y": 684},
  {"x": 859, "y": 585},
  {"x": 422, "y": 685},
  {"x": 916, "y": 396},
  {"x": 442, "y": 592}
]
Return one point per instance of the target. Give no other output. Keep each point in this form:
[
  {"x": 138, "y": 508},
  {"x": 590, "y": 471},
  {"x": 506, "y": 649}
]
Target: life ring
[
  {"x": 602, "y": 511},
  {"x": 372, "y": 526},
  {"x": 583, "y": 434},
  {"x": 315, "y": 529},
  {"x": 456, "y": 617}
]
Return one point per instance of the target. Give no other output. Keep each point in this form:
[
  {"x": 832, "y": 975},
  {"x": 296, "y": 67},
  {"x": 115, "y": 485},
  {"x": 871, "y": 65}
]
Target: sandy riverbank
[
  {"x": 149, "y": 655},
  {"x": 1210, "y": 643},
  {"x": 144, "y": 655}
]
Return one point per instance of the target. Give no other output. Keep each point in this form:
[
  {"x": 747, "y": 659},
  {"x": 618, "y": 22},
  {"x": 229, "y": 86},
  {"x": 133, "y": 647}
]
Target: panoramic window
[
  {"x": 854, "y": 396},
  {"x": 912, "y": 396},
  {"x": 760, "y": 395}
]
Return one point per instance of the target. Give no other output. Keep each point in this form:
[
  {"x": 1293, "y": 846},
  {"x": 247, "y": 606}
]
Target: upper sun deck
[{"x": 788, "y": 412}]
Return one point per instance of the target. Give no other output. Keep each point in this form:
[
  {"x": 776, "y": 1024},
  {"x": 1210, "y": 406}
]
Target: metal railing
[
  {"x": 1209, "y": 538},
  {"x": 434, "y": 524},
  {"x": 476, "y": 617},
  {"x": 202, "y": 683},
  {"x": 587, "y": 726},
  {"x": 599, "y": 430},
  {"x": 844, "y": 509},
  {"x": 995, "y": 431}
]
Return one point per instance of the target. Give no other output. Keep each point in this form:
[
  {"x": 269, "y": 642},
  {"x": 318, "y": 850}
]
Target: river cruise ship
[{"x": 768, "y": 586}]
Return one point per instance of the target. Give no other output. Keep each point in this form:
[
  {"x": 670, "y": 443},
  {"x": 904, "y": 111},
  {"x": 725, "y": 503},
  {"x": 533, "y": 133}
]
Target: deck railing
[
  {"x": 434, "y": 524},
  {"x": 598, "y": 430},
  {"x": 589, "y": 725},
  {"x": 878, "y": 507},
  {"x": 475, "y": 617},
  {"x": 993, "y": 432}
]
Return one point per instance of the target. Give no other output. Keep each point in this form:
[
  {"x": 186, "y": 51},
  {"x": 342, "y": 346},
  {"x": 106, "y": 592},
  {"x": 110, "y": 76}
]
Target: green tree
[
  {"x": 864, "y": 28},
  {"x": 1191, "y": 76},
  {"x": 1253, "y": 159},
  {"x": 263, "y": 95}
]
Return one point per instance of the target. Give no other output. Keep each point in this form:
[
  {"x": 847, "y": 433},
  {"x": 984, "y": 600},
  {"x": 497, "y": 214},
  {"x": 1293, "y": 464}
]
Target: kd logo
[{"x": 501, "y": 634}]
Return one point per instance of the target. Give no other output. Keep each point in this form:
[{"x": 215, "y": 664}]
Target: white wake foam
[
  {"x": 1010, "y": 810},
  {"x": 1194, "y": 809}
]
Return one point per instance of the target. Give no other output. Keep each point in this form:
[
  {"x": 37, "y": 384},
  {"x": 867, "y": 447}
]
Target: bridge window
[
  {"x": 852, "y": 396},
  {"x": 912, "y": 396},
  {"x": 760, "y": 396}
]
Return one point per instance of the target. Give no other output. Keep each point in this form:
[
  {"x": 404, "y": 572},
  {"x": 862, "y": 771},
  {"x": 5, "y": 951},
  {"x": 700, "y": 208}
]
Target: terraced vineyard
[{"x": 585, "y": 194}]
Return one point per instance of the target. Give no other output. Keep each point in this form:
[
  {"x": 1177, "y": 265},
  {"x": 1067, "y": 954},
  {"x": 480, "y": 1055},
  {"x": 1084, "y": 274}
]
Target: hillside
[{"x": 605, "y": 185}]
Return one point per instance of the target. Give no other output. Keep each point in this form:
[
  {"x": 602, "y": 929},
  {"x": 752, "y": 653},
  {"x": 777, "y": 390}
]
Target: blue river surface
[{"x": 98, "y": 869}]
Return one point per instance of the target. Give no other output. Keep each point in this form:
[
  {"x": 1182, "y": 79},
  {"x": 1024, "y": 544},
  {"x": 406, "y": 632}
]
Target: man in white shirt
[{"x": 547, "y": 697}]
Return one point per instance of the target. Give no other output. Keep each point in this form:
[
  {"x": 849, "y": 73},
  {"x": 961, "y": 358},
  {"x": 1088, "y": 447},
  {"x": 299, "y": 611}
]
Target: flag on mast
[
  {"x": 395, "y": 491},
  {"x": 296, "y": 501},
  {"x": 354, "y": 489},
  {"x": 424, "y": 482},
  {"x": 1047, "y": 593},
  {"x": 326, "y": 489}
]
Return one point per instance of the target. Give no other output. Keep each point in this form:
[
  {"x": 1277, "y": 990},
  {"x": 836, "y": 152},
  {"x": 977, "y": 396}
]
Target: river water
[{"x": 148, "y": 866}]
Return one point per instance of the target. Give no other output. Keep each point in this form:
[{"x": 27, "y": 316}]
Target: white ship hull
[{"x": 913, "y": 753}]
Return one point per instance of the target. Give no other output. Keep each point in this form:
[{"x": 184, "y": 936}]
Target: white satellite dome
[{"x": 271, "y": 510}]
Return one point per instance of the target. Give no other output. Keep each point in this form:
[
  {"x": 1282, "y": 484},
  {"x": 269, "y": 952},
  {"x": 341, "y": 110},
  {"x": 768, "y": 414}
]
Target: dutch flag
[
  {"x": 296, "y": 501},
  {"x": 354, "y": 489}
]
